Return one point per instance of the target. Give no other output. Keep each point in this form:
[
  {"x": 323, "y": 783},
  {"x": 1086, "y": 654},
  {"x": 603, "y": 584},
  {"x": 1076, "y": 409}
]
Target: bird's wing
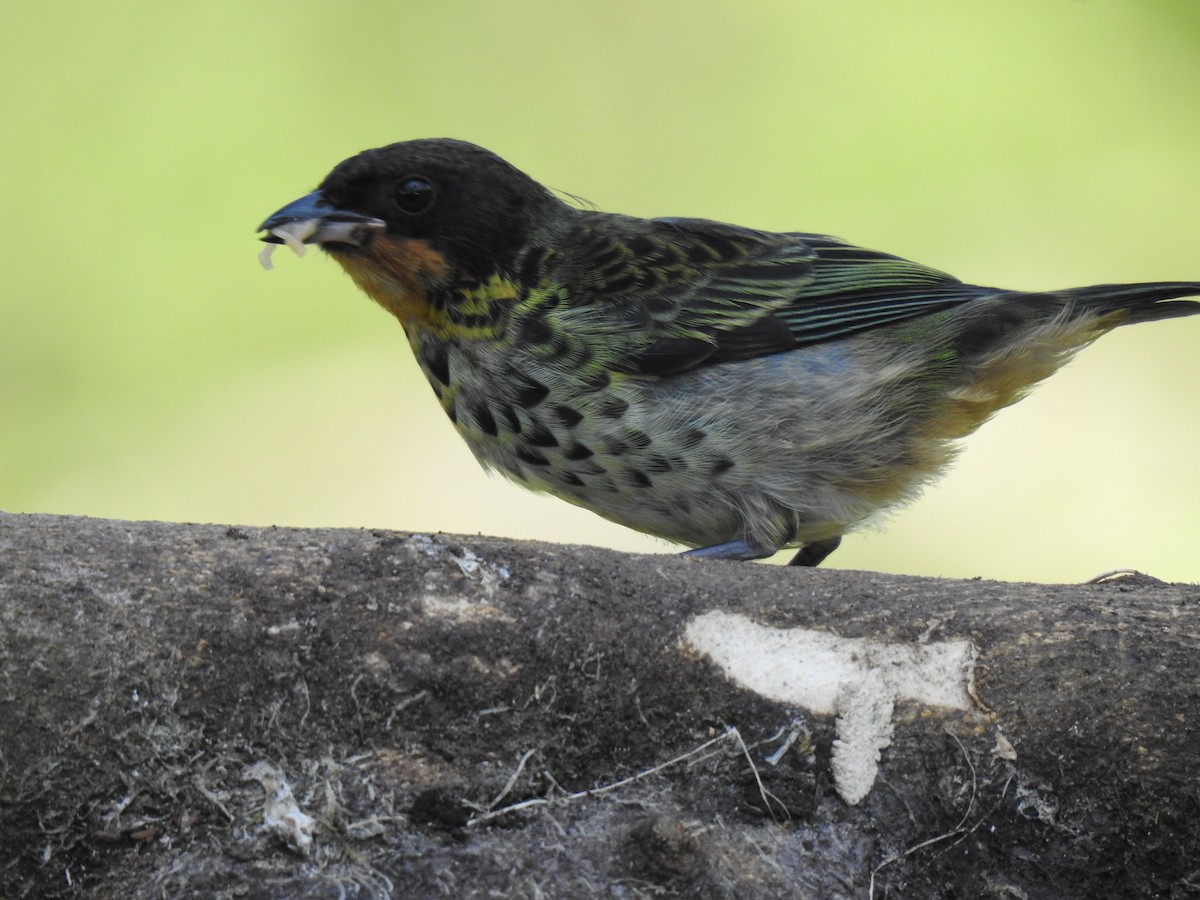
[{"x": 667, "y": 295}]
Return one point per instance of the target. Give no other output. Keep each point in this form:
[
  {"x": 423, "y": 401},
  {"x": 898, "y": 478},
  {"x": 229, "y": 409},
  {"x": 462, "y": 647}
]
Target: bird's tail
[
  {"x": 1009, "y": 342},
  {"x": 1132, "y": 303}
]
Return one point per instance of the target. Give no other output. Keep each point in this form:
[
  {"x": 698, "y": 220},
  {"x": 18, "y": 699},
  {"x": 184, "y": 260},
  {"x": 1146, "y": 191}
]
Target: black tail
[
  {"x": 1141, "y": 302},
  {"x": 1009, "y": 315}
]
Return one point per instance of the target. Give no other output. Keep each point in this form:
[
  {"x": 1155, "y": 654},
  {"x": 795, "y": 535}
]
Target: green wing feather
[{"x": 665, "y": 295}]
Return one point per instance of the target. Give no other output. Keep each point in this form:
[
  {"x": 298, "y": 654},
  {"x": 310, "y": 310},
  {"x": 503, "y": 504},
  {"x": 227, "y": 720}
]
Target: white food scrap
[{"x": 294, "y": 234}]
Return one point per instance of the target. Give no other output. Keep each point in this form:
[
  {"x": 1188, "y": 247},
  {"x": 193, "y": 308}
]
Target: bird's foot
[
  {"x": 811, "y": 554},
  {"x": 728, "y": 550}
]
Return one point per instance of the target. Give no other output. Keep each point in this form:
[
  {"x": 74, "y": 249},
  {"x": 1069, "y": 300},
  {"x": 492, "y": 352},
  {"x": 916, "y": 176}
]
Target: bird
[{"x": 733, "y": 390}]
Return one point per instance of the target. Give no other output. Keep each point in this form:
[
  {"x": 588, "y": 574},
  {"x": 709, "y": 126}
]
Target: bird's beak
[{"x": 313, "y": 220}]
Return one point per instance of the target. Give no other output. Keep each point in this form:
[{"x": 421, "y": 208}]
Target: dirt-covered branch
[{"x": 210, "y": 711}]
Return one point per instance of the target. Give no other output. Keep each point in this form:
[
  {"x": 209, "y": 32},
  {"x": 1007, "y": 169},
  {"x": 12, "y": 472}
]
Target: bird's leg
[
  {"x": 731, "y": 550},
  {"x": 814, "y": 552},
  {"x": 811, "y": 554}
]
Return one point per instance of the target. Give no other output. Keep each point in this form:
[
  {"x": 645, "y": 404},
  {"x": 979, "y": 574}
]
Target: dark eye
[{"x": 414, "y": 195}]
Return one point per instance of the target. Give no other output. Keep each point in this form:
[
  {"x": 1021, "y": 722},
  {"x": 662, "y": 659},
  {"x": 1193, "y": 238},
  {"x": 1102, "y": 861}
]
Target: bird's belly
[{"x": 779, "y": 450}]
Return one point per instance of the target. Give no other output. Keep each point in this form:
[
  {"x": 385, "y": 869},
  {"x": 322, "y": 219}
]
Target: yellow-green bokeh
[{"x": 150, "y": 369}]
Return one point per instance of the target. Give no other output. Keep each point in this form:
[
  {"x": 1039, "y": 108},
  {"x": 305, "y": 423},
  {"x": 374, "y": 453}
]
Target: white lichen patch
[
  {"x": 807, "y": 668},
  {"x": 281, "y": 814},
  {"x": 864, "y": 729},
  {"x": 858, "y": 679}
]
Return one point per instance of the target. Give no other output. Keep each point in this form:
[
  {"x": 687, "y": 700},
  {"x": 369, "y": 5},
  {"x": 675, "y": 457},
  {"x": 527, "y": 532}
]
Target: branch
[{"x": 185, "y": 709}]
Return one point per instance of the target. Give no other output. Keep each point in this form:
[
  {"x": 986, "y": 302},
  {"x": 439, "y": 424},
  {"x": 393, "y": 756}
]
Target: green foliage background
[{"x": 150, "y": 369}]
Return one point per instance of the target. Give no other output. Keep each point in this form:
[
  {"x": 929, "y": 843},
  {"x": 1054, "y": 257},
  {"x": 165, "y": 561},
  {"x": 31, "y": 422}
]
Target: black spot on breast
[
  {"x": 572, "y": 479},
  {"x": 525, "y": 454},
  {"x": 575, "y": 452},
  {"x": 638, "y": 478},
  {"x": 529, "y": 392},
  {"x": 508, "y": 417},
  {"x": 723, "y": 464},
  {"x": 540, "y": 436},
  {"x": 436, "y": 361},
  {"x": 452, "y": 412},
  {"x": 568, "y": 415},
  {"x": 613, "y": 407},
  {"x": 691, "y": 438},
  {"x": 580, "y": 355},
  {"x": 636, "y": 439},
  {"x": 615, "y": 447},
  {"x": 597, "y": 381},
  {"x": 658, "y": 465},
  {"x": 484, "y": 419},
  {"x": 536, "y": 332},
  {"x": 587, "y": 467}
]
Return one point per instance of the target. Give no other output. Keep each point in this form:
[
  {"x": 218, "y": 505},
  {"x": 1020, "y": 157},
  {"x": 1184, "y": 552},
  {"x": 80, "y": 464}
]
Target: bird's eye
[{"x": 414, "y": 195}]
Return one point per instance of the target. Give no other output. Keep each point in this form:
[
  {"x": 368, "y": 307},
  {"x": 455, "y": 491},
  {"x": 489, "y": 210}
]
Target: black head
[{"x": 463, "y": 200}]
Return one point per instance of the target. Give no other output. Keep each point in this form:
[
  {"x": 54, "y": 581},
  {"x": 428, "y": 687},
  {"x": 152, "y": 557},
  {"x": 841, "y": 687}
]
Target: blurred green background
[{"x": 150, "y": 369}]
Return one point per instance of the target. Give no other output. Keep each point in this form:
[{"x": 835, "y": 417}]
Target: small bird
[{"x": 734, "y": 390}]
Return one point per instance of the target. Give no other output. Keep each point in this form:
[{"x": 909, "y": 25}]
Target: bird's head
[{"x": 418, "y": 216}]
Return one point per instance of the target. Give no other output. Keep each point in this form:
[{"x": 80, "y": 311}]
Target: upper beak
[{"x": 312, "y": 220}]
